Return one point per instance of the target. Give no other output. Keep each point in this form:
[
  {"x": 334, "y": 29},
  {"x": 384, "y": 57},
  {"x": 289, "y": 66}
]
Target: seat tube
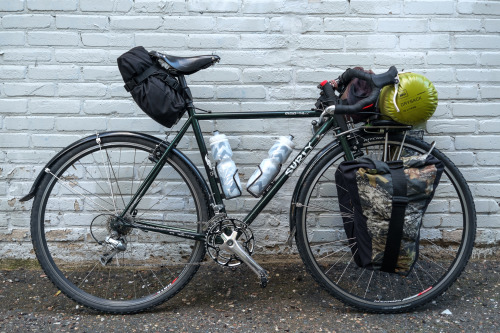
[
  {"x": 187, "y": 92},
  {"x": 201, "y": 143},
  {"x": 204, "y": 156}
]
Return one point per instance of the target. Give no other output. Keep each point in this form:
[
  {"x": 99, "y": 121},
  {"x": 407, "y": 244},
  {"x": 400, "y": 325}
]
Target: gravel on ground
[{"x": 231, "y": 300}]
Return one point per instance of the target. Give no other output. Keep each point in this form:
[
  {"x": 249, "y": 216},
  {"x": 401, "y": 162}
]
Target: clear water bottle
[
  {"x": 226, "y": 169},
  {"x": 270, "y": 167}
]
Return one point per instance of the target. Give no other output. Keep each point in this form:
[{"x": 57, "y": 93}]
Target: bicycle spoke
[
  {"x": 145, "y": 284},
  {"x": 108, "y": 288},
  {"x": 425, "y": 271},
  {"x": 338, "y": 241},
  {"x": 156, "y": 278},
  {"x": 433, "y": 262},
  {"x": 359, "y": 277},
  {"x": 309, "y": 205},
  {"x": 88, "y": 274},
  {"x": 116, "y": 180},
  {"x": 348, "y": 246},
  {"x": 350, "y": 260},
  {"x": 160, "y": 200},
  {"x": 368, "y": 285},
  {"x": 320, "y": 231},
  {"x": 420, "y": 282},
  {"x": 390, "y": 286},
  {"x": 47, "y": 170},
  {"x": 89, "y": 174},
  {"x": 133, "y": 176},
  {"x": 104, "y": 177},
  {"x": 441, "y": 248},
  {"x": 98, "y": 140}
]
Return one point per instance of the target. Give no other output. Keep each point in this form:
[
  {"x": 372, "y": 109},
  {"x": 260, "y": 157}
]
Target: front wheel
[
  {"x": 94, "y": 257},
  {"x": 446, "y": 237}
]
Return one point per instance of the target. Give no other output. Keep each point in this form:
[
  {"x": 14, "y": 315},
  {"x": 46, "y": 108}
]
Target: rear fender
[{"x": 80, "y": 142}]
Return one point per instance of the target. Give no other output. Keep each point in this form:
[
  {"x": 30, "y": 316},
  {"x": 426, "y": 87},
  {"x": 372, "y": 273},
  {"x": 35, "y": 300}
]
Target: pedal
[{"x": 263, "y": 280}]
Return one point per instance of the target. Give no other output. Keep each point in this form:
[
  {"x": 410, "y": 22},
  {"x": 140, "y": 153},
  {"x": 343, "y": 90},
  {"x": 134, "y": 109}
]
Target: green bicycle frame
[{"x": 193, "y": 120}]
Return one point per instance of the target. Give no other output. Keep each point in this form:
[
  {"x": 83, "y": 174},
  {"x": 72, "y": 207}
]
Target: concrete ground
[{"x": 230, "y": 300}]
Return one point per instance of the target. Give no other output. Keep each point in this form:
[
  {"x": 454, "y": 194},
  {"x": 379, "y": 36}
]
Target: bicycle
[{"x": 122, "y": 220}]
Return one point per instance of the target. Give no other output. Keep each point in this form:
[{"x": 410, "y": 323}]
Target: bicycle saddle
[{"x": 187, "y": 65}]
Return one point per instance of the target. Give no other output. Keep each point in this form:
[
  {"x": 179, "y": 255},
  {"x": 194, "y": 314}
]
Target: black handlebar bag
[
  {"x": 382, "y": 206},
  {"x": 355, "y": 91},
  {"x": 156, "y": 92}
]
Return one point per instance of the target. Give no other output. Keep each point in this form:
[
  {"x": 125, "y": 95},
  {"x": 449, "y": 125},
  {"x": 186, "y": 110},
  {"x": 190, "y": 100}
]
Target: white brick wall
[{"x": 59, "y": 80}]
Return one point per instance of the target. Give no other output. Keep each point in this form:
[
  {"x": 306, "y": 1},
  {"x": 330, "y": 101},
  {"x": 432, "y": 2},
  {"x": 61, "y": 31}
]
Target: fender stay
[
  {"x": 85, "y": 140},
  {"x": 332, "y": 145}
]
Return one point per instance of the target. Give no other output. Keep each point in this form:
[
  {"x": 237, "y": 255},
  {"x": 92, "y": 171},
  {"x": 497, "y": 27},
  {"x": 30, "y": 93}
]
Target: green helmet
[{"x": 416, "y": 99}]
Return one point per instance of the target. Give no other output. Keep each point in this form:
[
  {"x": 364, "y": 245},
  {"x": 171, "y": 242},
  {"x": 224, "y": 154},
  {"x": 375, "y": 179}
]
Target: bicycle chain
[{"x": 218, "y": 218}]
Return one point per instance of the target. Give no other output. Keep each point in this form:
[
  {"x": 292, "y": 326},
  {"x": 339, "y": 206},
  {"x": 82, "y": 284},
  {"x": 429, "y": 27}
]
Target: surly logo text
[
  {"x": 295, "y": 113},
  {"x": 298, "y": 160}
]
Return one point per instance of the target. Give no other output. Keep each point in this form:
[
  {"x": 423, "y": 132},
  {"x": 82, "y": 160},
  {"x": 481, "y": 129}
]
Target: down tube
[{"x": 287, "y": 173}]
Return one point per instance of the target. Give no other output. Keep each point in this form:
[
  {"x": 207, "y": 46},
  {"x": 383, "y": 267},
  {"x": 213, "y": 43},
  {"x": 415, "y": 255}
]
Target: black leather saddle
[{"x": 186, "y": 65}]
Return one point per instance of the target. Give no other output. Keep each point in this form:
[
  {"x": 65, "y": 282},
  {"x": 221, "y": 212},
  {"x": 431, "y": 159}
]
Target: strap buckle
[
  {"x": 129, "y": 85},
  {"x": 175, "y": 84},
  {"x": 395, "y": 164},
  {"x": 398, "y": 200},
  {"x": 136, "y": 80}
]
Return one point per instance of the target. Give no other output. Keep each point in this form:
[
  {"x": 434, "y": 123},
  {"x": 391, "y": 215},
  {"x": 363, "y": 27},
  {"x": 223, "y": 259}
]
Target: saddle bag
[
  {"x": 382, "y": 205},
  {"x": 156, "y": 92}
]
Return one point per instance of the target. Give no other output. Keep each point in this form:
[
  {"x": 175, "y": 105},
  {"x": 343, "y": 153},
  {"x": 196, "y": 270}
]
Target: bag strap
[
  {"x": 399, "y": 203},
  {"x": 136, "y": 80}
]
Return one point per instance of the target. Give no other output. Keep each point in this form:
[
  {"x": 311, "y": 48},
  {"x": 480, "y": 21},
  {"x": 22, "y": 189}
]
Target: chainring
[{"x": 214, "y": 243}]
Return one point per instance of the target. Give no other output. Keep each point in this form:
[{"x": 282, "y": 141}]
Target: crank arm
[{"x": 232, "y": 245}]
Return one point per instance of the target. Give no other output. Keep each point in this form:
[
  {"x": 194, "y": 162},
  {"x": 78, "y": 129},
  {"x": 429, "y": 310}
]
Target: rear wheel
[
  {"x": 75, "y": 211},
  {"x": 446, "y": 237}
]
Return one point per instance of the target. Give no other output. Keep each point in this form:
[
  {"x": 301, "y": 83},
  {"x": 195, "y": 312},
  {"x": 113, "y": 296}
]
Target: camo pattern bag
[{"x": 365, "y": 191}]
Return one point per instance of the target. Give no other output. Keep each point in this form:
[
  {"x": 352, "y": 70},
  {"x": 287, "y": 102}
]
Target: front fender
[
  {"x": 85, "y": 140},
  {"x": 293, "y": 209}
]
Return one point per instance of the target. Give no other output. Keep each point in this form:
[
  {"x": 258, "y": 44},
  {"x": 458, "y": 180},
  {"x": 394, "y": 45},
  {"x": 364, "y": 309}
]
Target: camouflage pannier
[{"x": 382, "y": 206}]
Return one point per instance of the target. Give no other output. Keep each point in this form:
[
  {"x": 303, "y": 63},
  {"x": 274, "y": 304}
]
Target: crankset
[{"x": 230, "y": 242}]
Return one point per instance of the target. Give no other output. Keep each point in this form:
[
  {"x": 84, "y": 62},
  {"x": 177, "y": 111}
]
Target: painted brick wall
[{"x": 59, "y": 80}]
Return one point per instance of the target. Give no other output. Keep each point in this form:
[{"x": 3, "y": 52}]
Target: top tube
[{"x": 257, "y": 115}]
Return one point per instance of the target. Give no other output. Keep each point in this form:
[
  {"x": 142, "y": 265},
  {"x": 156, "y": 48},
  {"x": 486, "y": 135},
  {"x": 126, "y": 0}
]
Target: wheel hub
[{"x": 118, "y": 224}]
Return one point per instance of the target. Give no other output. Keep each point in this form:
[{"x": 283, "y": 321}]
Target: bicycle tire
[
  {"x": 447, "y": 236},
  {"x": 74, "y": 207}
]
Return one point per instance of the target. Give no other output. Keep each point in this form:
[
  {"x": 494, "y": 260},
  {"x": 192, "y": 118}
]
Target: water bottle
[
  {"x": 226, "y": 169},
  {"x": 270, "y": 167}
]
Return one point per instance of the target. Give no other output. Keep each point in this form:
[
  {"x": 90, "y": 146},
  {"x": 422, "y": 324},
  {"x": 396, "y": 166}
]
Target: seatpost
[{"x": 187, "y": 91}]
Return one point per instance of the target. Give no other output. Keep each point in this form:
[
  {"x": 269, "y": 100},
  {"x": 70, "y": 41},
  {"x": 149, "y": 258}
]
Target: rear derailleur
[{"x": 110, "y": 231}]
